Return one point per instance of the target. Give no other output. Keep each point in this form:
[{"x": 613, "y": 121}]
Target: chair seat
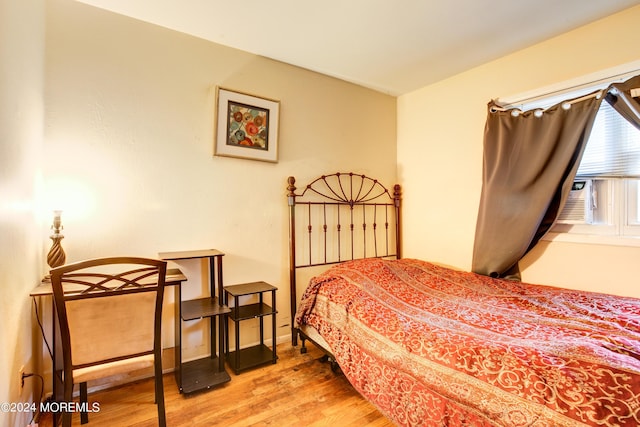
[{"x": 112, "y": 368}]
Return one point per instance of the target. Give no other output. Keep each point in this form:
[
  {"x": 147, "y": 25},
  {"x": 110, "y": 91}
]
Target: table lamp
[{"x": 56, "y": 256}]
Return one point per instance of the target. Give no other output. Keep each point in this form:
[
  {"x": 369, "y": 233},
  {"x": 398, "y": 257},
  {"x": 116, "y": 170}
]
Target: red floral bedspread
[{"x": 437, "y": 347}]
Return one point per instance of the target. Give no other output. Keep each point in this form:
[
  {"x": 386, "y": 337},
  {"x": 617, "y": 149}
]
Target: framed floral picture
[{"x": 246, "y": 126}]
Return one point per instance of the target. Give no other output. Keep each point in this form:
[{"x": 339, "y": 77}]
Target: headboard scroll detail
[{"x": 332, "y": 188}]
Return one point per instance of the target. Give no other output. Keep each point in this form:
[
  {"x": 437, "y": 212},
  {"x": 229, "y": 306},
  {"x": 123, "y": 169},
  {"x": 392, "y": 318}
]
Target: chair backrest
[{"x": 109, "y": 309}]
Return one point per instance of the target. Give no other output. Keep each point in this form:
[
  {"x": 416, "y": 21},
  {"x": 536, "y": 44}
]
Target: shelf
[
  {"x": 251, "y": 357},
  {"x": 260, "y": 354},
  {"x": 250, "y": 311},
  {"x": 208, "y": 371},
  {"x": 202, "y": 307},
  {"x": 249, "y": 288},
  {"x": 177, "y": 255},
  {"x": 202, "y": 374}
]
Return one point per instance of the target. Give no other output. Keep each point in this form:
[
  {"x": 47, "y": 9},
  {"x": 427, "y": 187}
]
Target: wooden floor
[{"x": 298, "y": 390}]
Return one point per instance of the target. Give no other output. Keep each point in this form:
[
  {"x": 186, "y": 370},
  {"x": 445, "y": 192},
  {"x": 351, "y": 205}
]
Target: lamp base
[{"x": 56, "y": 256}]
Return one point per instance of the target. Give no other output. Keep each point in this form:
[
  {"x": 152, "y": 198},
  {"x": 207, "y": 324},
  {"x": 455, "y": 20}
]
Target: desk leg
[
  {"x": 222, "y": 320},
  {"x": 220, "y": 285},
  {"x": 57, "y": 365},
  {"x": 236, "y": 327},
  {"x": 221, "y": 326},
  {"x": 212, "y": 320},
  {"x": 226, "y": 329},
  {"x": 212, "y": 329},
  {"x": 261, "y": 322},
  {"x": 177, "y": 308},
  {"x": 273, "y": 325},
  {"x": 215, "y": 278}
]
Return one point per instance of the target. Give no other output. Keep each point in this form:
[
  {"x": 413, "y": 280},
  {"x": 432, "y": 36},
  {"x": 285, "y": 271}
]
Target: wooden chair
[{"x": 110, "y": 315}]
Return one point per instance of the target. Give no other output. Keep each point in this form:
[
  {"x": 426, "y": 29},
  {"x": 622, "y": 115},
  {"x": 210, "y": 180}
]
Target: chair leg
[
  {"x": 162, "y": 418},
  {"x": 84, "y": 415},
  {"x": 68, "y": 396}
]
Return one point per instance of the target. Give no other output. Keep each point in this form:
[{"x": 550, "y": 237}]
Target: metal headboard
[{"x": 371, "y": 217}]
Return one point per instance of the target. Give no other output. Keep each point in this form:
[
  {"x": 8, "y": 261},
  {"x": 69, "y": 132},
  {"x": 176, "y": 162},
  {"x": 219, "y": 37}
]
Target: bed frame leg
[
  {"x": 303, "y": 345},
  {"x": 331, "y": 361}
]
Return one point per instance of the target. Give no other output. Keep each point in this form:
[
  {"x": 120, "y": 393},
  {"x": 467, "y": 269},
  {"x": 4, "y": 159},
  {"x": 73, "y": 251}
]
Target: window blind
[{"x": 613, "y": 149}]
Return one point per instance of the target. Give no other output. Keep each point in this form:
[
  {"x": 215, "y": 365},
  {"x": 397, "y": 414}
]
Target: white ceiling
[{"x": 393, "y": 46}]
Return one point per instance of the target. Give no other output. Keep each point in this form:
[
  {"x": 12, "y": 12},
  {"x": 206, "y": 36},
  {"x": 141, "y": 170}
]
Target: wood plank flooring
[{"x": 298, "y": 390}]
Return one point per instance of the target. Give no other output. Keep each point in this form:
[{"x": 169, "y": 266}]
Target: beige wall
[
  {"x": 21, "y": 111},
  {"x": 129, "y": 140},
  {"x": 440, "y": 133}
]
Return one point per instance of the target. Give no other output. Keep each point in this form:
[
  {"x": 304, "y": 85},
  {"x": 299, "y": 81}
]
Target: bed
[{"x": 435, "y": 346}]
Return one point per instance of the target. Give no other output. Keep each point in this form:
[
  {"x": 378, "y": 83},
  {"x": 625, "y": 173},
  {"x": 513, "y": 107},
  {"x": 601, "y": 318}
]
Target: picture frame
[{"x": 246, "y": 126}]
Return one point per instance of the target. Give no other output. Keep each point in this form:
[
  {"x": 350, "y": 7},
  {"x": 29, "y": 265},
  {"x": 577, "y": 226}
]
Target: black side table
[{"x": 260, "y": 354}]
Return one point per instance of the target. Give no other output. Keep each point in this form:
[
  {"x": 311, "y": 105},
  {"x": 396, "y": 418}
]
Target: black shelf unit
[
  {"x": 209, "y": 371},
  {"x": 260, "y": 354}
]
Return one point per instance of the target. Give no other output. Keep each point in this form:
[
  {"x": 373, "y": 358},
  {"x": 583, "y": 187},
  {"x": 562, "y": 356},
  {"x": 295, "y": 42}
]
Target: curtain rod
[
  {"x": 590, "y": 84},
  {"x": 538, "y": 112}
]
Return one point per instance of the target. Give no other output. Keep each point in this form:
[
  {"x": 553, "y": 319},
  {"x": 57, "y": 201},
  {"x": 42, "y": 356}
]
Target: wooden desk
[{"x": 174, "y": 277}]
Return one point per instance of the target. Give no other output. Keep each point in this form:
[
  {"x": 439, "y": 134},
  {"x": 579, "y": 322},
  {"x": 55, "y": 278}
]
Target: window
[{"x": 605, "y": 198}]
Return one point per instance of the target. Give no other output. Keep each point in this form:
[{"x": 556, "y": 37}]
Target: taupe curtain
[{"x": 530, "y": 162}]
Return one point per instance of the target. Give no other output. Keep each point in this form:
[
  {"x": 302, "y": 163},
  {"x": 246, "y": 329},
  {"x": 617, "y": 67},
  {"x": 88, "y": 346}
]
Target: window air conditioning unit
[{"x": 580, "y": 204}]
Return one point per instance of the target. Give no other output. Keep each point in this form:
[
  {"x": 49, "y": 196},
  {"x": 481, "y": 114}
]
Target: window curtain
[{"x": 530, "y": 161}]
